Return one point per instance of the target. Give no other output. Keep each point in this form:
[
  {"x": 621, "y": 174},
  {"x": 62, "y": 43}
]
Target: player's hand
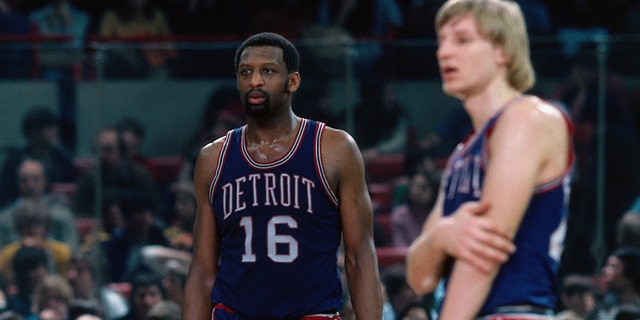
[{"x": 470, "y": 235}]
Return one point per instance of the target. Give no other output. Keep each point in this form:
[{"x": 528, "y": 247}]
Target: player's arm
[
  {"x": 425, "y": 260},
  {"x": 466, "y": 235},
  {"x": 344, "y": 164},
  {"x": 528, "y": 146},
  {"x": 204, "y": 267}
]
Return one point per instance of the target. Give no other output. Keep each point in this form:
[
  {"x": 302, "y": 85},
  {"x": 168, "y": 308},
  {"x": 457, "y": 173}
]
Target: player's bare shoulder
[
  {"x": 337, "y": 143},
  {"x": 537, "y": 115},
  {"x": 340, "y": 151},
  {"x": 543, "y": 128},
  {"x": 211, "y": 150},
  {"x": 553, "y": 117},
  {"x": 207, "y": 161}
]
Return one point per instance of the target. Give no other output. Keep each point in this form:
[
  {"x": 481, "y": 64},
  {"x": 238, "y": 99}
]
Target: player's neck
[
  {"x": 276, "y": 129},
  {"x": 266, "y": 143},
  {"x": 482, "y": 107}
]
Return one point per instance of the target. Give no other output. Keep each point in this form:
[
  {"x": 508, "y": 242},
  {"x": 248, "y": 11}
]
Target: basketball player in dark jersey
[
  {"x": 276, "y": 197},
  {"x": 495, "y": 235}
]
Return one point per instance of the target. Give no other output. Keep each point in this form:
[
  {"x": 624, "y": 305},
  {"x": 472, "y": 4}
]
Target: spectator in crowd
[
  {"x": 382, "y": 121},
  {"x": 578, "y": 296},
  {"x": 33, "y": 186},
  {"x": 10, "y": 315},
  {"x": 414, "y": 311},
  {"x": 180, "y": 222},
  {"x": 137, "y": 19},
  {"x": 112, "y": 217},
  {"x": 408, "y": 218},
  {"x": 61, "y": 18},
  {"x": 387, "y": 309},
  {"x": 30, "y": 265},
  {"x": 315, "y": 101},
  {"x": 110, "y": 222},
  {"x": 399, "y": 293},
  {"x": 15, "y": 63},
  {"x": 87, "y": 280},
  {"x": 123, "y": 250},
  {"x": 171, "y": 265},
  {"x": 118, "y": 175},
  {"x": 32, "y": 223},
  {"x": 222, "y": 111},
  {"x": 88, "y": 316},
  {"x": 95, "y": 10},
  {"x": 40, "y": 127},
  {"x": 133, "y": 134},
  {"x": 621, "y": 280},
  {"x": 362, "y": 19},
  {"x": 52, "y": 299},
  {"x": 452, "y": 129},
  {"x": 628, "y": 230},
  {"x": 164, "y": 310},
  {"x": 146, "y": 291},
  {"x": 63, "y": 62},
  {"x": 173, "y": 282}
]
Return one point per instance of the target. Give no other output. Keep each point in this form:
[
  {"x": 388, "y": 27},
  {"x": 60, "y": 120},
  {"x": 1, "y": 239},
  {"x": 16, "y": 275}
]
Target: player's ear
[
  {"x": 501, "y": 56},
  {"x": 294, "y": 81}
]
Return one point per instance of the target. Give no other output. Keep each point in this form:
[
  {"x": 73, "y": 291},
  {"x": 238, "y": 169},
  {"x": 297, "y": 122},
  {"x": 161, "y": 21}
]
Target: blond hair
[
  {"x": 502, "y": 22},
  {"x": 51, "y": 284}
]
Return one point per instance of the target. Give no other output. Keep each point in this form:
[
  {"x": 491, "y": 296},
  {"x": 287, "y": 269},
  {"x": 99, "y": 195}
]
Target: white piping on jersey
[{"x": 320, "y": 166}]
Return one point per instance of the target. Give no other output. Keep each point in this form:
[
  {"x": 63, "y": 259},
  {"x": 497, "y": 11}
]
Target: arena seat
[
  {"x": 165, "y": 170},
  {"x": 386, "y": 167},
  {"x": 63, "y": 190},
  {"x": 389, "y": 256}
]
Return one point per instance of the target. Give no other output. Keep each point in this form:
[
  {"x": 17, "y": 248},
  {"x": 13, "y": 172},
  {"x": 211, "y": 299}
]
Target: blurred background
[{"x": 163, "y": 71}]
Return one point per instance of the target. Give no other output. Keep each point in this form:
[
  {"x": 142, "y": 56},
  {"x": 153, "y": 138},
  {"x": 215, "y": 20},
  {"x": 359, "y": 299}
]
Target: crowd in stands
[
  {"x": 69, "y": 251},
  {"x": 361, "y": 18},
  {"x": 80, "y": 22}
]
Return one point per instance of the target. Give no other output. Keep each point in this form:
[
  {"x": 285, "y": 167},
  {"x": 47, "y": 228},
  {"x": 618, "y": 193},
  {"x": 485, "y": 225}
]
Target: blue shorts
[{"x": 222, "y": 312}]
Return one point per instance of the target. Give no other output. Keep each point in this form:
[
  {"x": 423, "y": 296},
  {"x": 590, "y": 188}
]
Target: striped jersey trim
[
  {"x": 320, "y": 166},
  {"x": 284, "y": 159}
]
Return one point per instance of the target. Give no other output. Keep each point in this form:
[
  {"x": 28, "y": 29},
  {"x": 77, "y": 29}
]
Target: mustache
[{"x": 246, "y": 95}]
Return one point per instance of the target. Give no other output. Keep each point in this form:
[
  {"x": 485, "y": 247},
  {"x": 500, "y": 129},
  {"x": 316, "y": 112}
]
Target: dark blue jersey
[
  {"x": 529, "y": 276},
  {"x": 279, "y": 228}
]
